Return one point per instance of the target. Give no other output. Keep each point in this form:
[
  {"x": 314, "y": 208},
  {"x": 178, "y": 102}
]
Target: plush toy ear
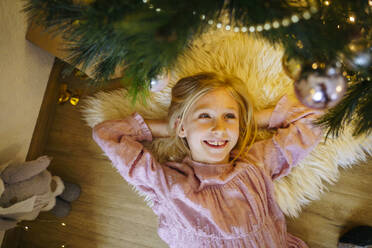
[{"x": 19, "y": 172}]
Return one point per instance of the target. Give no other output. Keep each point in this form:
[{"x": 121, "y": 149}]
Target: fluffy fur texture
[{"x": 258, "y": 64}]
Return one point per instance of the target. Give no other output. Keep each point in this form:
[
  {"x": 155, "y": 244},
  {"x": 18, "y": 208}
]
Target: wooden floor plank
[{"x": 348, "y": 203}]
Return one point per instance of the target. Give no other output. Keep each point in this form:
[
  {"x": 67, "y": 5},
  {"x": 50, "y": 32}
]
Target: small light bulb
[
  {"x": 227, "y": 27},
  {"x": 158, "y": 10},
  {"x": 352, "y": 18},
  {"x": 252, "y": 29},
  {"x": 267, "y": 26},
  {"x": 295, "y": 18},
  {"x": 306, "y": 15},
  {"x": 26, "y": 228},
  {"x": 259, "y": 28},
  {"x": 276, "y": 24},
  {"x": 244, "y": 29},
  {"x": 210, "y": 22},
  {"x": 314, "y": 66},
  {"x": 313, "y": 9},
  {"x": 300, "y": 44},
  {"x": 202, "y": 17},
  {"x": 285, "y": 22},
  {"x": 327, "y": 3},
  {"x": 63, "y": 224},
  {"x": 219, "y": 25}
]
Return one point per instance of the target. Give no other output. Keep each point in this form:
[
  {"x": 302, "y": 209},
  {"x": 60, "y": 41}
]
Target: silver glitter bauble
[
  {"x": 358, "y": 54},
  {"x": 320, "y": 89},
  {"x": 158, "y": 83}
]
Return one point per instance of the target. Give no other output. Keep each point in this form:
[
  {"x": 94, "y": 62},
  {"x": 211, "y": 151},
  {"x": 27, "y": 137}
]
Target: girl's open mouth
[{"x": 216, "y": 144}]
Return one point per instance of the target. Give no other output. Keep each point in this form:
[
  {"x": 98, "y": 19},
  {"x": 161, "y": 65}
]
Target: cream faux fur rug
[{"x": 258, "y": 64}]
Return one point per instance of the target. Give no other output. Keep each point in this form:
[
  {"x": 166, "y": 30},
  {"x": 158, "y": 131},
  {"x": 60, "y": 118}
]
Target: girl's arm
[
  {"x": 295, "y": 138},
  {"x": 120, "y": 140}
]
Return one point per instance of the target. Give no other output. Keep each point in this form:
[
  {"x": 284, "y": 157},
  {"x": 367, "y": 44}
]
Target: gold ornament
[
  {"x": 74, "y": 100},
  {"x": 75, "y": 23},
  {"x": 64, "y": 94},
  {"x": 67, "y": 95},
  {"x": 291, "y": 67}
]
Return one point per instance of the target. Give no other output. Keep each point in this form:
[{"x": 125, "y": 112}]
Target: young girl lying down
[{"x": 221, "y": 194}]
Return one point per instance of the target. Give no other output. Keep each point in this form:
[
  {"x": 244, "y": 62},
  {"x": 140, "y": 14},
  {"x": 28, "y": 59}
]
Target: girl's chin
[{"x": 219, "y": 158}]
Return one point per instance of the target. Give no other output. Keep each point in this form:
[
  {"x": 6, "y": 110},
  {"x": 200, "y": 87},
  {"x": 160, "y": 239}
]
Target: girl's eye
[
  {"x": 204, "y": 115},
  {"x": 230, "y": 116}
]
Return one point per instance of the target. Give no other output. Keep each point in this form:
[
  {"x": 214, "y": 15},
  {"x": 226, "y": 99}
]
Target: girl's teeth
[{"x": 216, "y": 143}]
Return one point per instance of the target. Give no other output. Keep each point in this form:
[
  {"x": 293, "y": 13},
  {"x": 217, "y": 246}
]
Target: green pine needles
[
  {"x": 131, "y": 34},
  {"x": 145, "y": 36},
  {"x": 355, "y": 106}
]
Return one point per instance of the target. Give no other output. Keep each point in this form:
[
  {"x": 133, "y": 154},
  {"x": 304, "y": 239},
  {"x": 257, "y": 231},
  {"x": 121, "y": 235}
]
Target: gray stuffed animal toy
[{"x": 28, "y": 188}]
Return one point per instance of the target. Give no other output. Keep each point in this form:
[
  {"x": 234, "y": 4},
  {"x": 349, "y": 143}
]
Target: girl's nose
[{"x": 219, "y": 126}]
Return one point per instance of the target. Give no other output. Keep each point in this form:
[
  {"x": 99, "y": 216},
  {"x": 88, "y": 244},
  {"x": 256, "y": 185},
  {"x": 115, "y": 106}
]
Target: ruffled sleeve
[
  {"x": 119, "y": 139},
  {"x": 295, "y": 138}
]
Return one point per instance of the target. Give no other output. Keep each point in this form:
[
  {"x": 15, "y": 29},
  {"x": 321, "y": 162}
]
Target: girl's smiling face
[{"x": 211, "y": 127}]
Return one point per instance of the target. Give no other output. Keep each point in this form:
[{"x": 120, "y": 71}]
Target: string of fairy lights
[
  {"x": 267, "y": 26},
  {"x": 285, "y": 22}
]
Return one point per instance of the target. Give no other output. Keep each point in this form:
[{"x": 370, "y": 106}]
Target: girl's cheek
[
  {"x": 201, "y": 123},
  {"x": 199, "y": 128}
]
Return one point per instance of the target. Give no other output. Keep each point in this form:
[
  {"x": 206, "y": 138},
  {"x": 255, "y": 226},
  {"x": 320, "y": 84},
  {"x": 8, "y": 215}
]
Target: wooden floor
[{"x": 109, "y": 214}]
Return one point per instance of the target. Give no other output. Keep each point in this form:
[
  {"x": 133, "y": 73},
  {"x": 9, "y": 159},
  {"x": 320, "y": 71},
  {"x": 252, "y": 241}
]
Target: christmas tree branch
[{"x": 356, "y": 103}]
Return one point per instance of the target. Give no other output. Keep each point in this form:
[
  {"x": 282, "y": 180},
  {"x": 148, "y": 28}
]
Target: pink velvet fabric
[{"x": 215, "y": 205}]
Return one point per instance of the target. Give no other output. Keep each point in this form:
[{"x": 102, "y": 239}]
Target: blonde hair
[{"x": 189, "y": 89}]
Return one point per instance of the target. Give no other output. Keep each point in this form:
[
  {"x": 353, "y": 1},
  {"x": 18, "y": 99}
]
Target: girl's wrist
[
  {"x": 159, "y": 128},
  {"x": 263, "y": 117}
]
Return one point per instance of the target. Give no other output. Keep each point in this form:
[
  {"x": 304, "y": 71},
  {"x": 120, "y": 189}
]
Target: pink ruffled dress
[{"x": 215, "y": 205}]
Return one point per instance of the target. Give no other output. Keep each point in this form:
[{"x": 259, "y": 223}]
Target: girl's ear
[{"x": 182, "y": 133}]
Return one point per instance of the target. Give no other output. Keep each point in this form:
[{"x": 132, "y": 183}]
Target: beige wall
[{"x": 24, "y": 72}]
